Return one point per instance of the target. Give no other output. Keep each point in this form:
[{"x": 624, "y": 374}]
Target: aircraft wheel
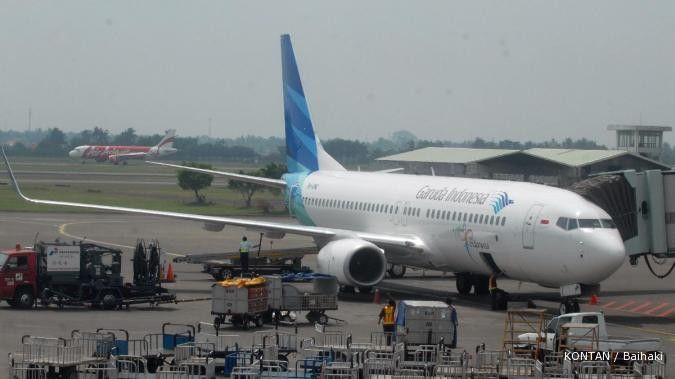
[
  {"x": 481, "y": 284},
  {"x": 396, "y": 271},
  {"x": 464, "y": 283},
  {"x": 365, "y": 289}
]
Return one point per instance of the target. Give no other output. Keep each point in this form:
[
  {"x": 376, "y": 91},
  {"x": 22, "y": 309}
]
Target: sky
[{"x": 451, "y": 70}]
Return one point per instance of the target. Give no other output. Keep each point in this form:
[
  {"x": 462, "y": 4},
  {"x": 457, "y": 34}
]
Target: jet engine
[
  {"x": 213, "y": 226},
  {"x": 353, "y": 261}
]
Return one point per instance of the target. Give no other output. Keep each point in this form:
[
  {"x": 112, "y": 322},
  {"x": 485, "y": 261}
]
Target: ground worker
[
  {"x": 454, "y": 320},
  {"x": 497, "y": 296},
  {"x": 388, "y": 320},
  {"x": 244, "y": 249}
]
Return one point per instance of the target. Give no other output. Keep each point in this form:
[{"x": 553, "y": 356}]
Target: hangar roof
[
  {"x": 447, "y": 155},
  {"x": 574, "y": 157},
  {"x": 566, "y": 157}
]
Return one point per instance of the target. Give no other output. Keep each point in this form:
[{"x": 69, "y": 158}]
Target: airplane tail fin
[
  {"x": 168, "y": 139},
  {"x": 304, "y": 152}
]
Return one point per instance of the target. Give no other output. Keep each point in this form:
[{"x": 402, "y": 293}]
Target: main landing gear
[
  {"x": 483, "y": 285},
  {"x": 479, "y": 283}
]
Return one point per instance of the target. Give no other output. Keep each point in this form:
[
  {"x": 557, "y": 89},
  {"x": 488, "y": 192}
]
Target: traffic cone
[
  {"x": 376, "y": 296},
  {"x": 169, "y": 274},
  {"x": 594, "y": 300}
]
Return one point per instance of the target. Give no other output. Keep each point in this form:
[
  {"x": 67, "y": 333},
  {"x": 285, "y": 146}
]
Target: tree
[
  {"x": 127, "y": 137},
  {"x": 99, "y": 136},
  {"x": 53, "y": 144},
  {"x": 246, "y": 189},
  {"x": 347, "y": 150},
  {"x": 275, "y": 171},
  {"x": 195, "y": 181}
]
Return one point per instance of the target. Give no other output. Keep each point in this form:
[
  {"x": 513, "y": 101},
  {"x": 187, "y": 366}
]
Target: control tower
[{"x": 646, "y": 140}]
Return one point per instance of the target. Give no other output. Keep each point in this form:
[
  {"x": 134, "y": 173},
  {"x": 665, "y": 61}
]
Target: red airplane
[{"x": 117, "y": 154}]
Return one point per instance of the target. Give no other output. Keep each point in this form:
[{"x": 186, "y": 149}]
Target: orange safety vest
[{"x": 388, "y": 318}]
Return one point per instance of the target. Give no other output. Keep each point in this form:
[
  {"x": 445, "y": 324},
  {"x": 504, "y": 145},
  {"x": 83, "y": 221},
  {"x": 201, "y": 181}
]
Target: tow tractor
[{"x": 79, "y": 274}]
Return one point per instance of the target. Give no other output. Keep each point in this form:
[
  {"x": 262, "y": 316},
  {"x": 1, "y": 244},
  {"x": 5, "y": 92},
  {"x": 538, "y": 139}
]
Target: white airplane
[{"x": 361, "y": 221}]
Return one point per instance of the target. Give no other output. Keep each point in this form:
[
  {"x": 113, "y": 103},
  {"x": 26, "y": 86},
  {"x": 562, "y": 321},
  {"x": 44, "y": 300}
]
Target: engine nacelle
[
  {"x": 353, "y": 262},
  {"x": 213, "y": 226}
]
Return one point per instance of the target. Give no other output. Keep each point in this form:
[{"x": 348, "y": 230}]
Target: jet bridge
[{"x": 642, "y": 204}]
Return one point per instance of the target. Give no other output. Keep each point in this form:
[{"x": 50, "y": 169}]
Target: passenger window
[
  {"x": 433, "y": 213},
  {"x": 443, "y": 215},
  {"x": 492, "y": 220},
  {"x": 428, "y": 212},
  {"x": 503, "y": 221},
  {"x": 471, "y": 217},
  {"x": 454, "y": 215},
  {"x": 589, "y": 319},
  {"x": 562, "y": 223},
  {"x": 396, "y": 210},
  {"x": 465, "y": 215},
  {"x": 487, "y": 219},
  {"x": 497, "y": 221},
  {"x": 481, "y": 219}
]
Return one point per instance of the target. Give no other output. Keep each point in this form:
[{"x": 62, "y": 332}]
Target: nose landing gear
[{"x": 569, "y": 305}]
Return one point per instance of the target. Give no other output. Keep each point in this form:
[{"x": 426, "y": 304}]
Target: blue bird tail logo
[{"x": 500, "y": 202}]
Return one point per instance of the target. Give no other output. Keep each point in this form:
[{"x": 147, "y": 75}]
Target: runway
[{"x": 636, "y": 303}]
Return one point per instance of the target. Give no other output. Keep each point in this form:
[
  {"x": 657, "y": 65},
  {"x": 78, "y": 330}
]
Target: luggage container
[{"x": 424, "y": 323}]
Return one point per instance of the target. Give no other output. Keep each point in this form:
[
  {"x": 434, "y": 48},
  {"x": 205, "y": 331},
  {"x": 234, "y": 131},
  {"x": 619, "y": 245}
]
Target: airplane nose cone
[
  {"x": 73, "y": 153},
  {"x": 609, "y": 254}
]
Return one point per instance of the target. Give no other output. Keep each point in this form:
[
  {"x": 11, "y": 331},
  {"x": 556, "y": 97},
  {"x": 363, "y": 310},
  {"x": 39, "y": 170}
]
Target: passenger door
[{"x": 529, "y": 226}]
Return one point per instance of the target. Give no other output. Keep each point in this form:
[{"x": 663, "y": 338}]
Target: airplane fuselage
[
  {"x": 469, "y": 225},
  {"x": 103, "y": 152}
]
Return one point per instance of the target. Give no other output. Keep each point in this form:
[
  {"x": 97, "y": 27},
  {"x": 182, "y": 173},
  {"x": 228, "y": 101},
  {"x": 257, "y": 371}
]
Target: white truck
[{"x": 580, "y": 333}]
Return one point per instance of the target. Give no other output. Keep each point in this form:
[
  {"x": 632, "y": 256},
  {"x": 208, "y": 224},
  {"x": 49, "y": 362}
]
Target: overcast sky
[{"x": 524, "y": 70}]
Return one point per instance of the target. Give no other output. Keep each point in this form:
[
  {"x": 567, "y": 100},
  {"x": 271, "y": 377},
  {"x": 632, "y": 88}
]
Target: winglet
[{"x": 15, "y": 184}]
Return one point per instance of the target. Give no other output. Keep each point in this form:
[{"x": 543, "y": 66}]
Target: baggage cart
[
  {"x": 240, "y": 301},
  {"x": 316, "y": 304}
]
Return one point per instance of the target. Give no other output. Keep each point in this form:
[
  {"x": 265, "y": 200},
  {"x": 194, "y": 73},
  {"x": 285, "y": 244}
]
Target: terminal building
[{"x": 638, "y": 148}]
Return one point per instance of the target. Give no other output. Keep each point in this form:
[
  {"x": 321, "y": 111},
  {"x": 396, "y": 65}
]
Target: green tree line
[{"x": 254, "y": 149}]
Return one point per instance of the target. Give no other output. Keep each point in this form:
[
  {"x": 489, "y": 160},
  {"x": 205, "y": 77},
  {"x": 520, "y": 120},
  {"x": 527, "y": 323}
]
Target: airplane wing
[
  {"x": 324, "y": 234},
  {"x": 391, "y": 170},
  {"x": 277, "y": 183}
]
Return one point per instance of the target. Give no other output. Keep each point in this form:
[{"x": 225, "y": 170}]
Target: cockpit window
[
  {"x": 572, "y": 224},
  {"x": 567, "y": 223},
  {"x": 589, "y": 223},
  {"x": 607, "y": 223},
  {"x": 562, "y": 223}
]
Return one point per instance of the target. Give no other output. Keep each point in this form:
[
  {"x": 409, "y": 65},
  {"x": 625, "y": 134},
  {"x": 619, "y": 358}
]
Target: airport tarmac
[{"x": 636, "y": 303}]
